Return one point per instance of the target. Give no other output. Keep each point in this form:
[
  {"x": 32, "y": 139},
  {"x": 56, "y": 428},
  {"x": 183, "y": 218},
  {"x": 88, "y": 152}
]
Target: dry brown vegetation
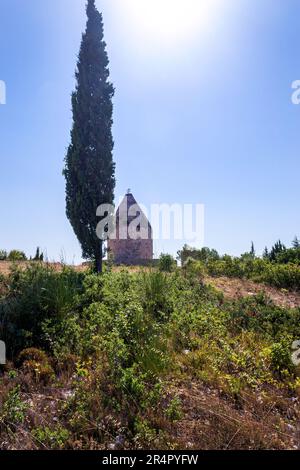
[
  {"x": 214, "y": 421},
  {"x": 209, "y": 419}
]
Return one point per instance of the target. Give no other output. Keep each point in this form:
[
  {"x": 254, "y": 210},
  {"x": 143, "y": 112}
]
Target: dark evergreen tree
[
  {"x": 296, "y": 243},
  {"x": 266, "y": 253},
  {"x": 39, "y": 256},
  {"x": 89, "y": 169},
  {"x": 276, "y": 250},
  {"x": 252, "y": 251}
]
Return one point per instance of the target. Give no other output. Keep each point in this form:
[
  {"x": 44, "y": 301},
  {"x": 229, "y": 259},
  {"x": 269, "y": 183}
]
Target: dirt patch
[{"x": 238, "y": 288}]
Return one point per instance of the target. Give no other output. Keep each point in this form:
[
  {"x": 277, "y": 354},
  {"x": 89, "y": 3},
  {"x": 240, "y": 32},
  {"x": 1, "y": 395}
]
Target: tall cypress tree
[{"x": 89, "y": 168}]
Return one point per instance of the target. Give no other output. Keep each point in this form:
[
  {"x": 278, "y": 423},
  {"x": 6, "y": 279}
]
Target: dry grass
[
  {"x": 210, "y": 419},
  {"x": 6, "y": 266},
  {"x": 213, "y": 421}
]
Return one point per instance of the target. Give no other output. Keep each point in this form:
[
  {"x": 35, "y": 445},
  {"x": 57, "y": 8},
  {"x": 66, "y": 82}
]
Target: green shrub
[
  {"x": 194, "y": 269},
  {"x": 281, "y": 275},
  {"x": 145, "y": 435},
  {"x": 36, "y": 294},
  {"x": 13, "y": 409},
  {"x": 3, "y": 255},
  {"x": 204, "y": 254},
  {"x": 155, "y": 288},
  {"x": 174, "y": 410},
  {"x": 166, "y": 263},
  {"x": 16, "y": 255},
  {"x": 227, "y": 266},
  {"x": 53, "y": 438},
  {"x": 281, "y": 357},
  {"x": 260, "y": 270}
]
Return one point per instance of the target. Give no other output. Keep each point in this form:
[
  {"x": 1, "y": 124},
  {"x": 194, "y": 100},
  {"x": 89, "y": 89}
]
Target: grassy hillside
[{"x": 145, "y": 359}]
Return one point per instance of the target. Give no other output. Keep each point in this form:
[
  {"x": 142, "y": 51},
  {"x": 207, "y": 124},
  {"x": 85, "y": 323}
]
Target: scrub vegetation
[{"x": 145, "y": 359}]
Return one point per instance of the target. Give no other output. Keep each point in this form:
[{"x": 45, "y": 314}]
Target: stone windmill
[{"x": 132, "y": 243}]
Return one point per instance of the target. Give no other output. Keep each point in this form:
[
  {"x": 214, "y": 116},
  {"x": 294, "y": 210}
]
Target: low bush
[
  {"x": 3, "y": 255},
  {"x": 36, "y": 363},
  {"x": 32, "y": 354},
  {"x": 55, "y": 438},
  {"x": 13, "y": 409},
  {"x": 16, "y": 255},
  {"x": 166, "y": 263},
  {"x": 36, "y": 295},
  {"x": 285, "y": 276}
]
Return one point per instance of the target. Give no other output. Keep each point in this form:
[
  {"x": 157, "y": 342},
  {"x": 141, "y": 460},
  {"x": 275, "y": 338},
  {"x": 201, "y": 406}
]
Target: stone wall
[{"x": 130, "y": 251}]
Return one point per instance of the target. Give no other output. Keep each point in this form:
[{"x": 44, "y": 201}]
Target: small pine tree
[
  {"x": 276, "y": 250},
  {"x": 37, "y": 255},
  {"x": 252, "y": 251},
  {"x": 266, "y": 253},
  {"x": 89, "y": 169},
  {"x": 296, "y": 243}
]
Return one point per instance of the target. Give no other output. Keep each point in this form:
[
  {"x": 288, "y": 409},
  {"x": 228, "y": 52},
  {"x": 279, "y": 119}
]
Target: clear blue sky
[{"x": 199, "y": 118}]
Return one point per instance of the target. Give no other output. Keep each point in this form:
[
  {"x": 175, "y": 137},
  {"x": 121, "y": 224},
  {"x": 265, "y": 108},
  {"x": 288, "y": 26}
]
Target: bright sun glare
[{"x": 172, "y": 19}]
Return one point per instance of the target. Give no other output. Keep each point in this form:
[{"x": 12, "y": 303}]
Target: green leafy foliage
[
  {"x": 204, "y": 254},
  {"x": 37, "y": 294},
  {"x": 16, "y": 255},
  {"x": 13, "y": 409},
  {"x": 3, "y": 255},
  {"x": 278, "y": 267},
  {"x": 166, "y": 263},
  {"x": 52, "y": 438},
  {"x": 260, "y": 270},
  {"x": 174, "y": 412}
]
